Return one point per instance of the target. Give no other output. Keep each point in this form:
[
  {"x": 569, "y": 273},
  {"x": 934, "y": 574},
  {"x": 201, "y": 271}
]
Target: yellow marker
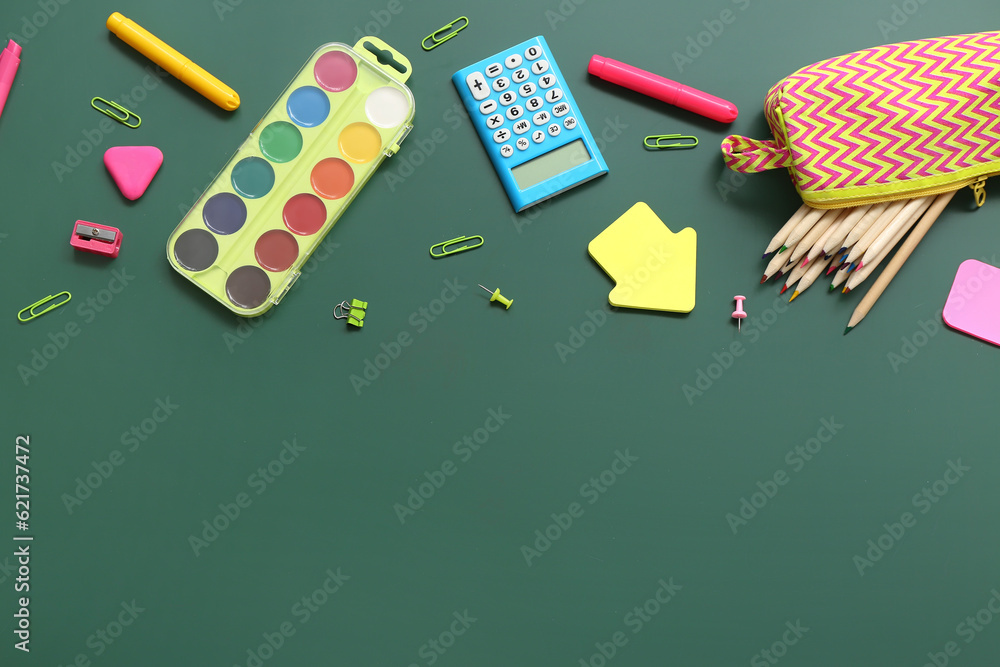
[{"x": 163, "y": 55}]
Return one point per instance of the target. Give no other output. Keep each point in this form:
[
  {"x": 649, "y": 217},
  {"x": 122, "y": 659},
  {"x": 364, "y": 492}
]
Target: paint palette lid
[
  {"x": 973, "y": 304},
  {"x": 246, "y": 238}
]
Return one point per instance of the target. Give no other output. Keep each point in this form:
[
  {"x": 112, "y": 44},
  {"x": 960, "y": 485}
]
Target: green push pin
[{"x": 497, "y": 296}]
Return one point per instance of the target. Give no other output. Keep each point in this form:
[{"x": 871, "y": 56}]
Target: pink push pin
[{"x": 739, "y": 314}]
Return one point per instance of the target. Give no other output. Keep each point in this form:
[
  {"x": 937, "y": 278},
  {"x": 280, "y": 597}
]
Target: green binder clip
[
  {"x": 659, "y": 139},
  {"x": 443, "y": 247},
  {"x": 353, "y": 312},
  {"x": 435, "y": 37},
  {"x": 51, "y": 302},
  {"x": 124, "y": 120}
]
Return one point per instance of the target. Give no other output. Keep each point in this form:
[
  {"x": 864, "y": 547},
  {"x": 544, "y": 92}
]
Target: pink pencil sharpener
[{"x": 95, "y": 238}]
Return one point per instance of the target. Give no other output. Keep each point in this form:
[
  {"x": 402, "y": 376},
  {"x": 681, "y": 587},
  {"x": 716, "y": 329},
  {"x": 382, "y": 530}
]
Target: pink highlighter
[
  {"x": 663, "y": 89},
  {"x": 9, "y": 60}
]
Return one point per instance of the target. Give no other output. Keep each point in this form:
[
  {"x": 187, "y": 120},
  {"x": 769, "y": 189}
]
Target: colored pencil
[
  {"x": 786, "y": 229},
  {"x": 778, "y": 260},
  {"x": 814, "y": 271},
  {"x": 883, "y": 221},
  {"x": 907, "y": 217},
  {"x": 864, "y": 223},
  {"x": 861, "y": 274},
  {"x": 801, "y": 229},
  {"x": 839, "y": 277},
  {"x": 890, "y": 271},
  {"x": 817, "y": 248},
  {"x": 793, "y": 277},
  {"x": 835, "y": 241},
  {"x": 818, "y": 229},
  {"x": 838, "y": 259}
]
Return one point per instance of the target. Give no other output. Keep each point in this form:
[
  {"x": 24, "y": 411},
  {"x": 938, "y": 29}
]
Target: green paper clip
[
  {"x": 445, "y": 244},
  {"x": 435, "y": 42},
  {"x": 658, "y": 140},
  {"x": 114, "y": 105},
  {"x": 30, "y": 310},
  {"x": 353, "y": 312}
]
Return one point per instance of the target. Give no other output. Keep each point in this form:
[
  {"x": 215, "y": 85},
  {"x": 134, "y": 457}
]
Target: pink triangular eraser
[{"x": 133, "y": 167}]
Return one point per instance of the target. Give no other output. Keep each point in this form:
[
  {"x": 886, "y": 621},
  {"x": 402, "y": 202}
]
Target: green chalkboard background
[{"x": 511, "y": 487}]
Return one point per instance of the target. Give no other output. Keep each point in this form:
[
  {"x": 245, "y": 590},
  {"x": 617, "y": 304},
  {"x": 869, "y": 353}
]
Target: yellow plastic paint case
[{"x": 246, "y": 238}]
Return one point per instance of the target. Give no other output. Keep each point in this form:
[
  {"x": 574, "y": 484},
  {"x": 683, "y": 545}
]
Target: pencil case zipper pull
[{"x": 979, "y": 190}]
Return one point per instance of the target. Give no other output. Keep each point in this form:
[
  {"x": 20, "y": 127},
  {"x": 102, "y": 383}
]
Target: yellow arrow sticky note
[{"x": 653, "y": 267}]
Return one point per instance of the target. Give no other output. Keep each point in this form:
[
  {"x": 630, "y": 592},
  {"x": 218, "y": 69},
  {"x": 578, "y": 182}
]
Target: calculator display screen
[{"x": 551, "y": 164}]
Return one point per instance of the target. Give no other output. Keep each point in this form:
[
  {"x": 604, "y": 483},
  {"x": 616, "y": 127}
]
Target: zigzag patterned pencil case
[{"x": 891, "y": 122}]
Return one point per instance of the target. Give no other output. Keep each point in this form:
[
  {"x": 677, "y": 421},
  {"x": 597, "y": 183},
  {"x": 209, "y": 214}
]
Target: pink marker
[
  {"x": 9, "y": 60},
  {"x": 663, "y": 89}
]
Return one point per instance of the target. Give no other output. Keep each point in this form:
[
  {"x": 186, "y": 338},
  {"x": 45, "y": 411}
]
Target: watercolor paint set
[{"x": 248, "y": 235}]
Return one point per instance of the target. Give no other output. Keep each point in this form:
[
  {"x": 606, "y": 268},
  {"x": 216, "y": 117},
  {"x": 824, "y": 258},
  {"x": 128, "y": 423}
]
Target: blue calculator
[{"x": 529, "y": 123}]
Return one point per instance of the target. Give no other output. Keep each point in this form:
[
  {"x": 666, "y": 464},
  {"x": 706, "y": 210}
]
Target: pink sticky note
[{"x": 973, "y": 305}]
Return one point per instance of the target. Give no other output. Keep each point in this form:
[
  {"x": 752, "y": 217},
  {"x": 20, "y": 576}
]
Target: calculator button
[
  {"x": 554, "y": 130},
  {"x": 522, "y": 126},
  {"x": 533, "y": 53},
  {"x": 534, "y": 104},
  {"x": 540, "y": 118},
  {"x": 515, "y": 111},
  {"x": 519, "y": 75},
  {"x": 506, "y": 150},
  {"x": 477, "y": 86},
  {"x": 538, "y": 136},
  {"x": 487, "y": 107},
  {"x": 494, "y": 70},
  {"x": 494, "y": 121},
  {"x": 547, "y": 81},
  {"x": 527, "y": 90},
  {"x": 569, "y": 123},
  {"x": 503, "y": 83},
  {"x": 554, "y": 95},
  {"x": 512, "y": 61},
  {"x": 507, "y": 98},
  {"x": 522, "y": 143},
  {"x": 560, "y": 110},
  {"x": 501, "y": 135},
  {"x": 540, "y": 67}
]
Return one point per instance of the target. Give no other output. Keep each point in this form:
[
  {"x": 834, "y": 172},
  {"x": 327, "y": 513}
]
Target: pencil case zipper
[{"x": 976, "y": 183}]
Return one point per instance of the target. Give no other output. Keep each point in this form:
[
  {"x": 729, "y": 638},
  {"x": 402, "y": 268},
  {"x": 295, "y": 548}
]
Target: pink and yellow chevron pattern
[{"x": 886, "y": 122}]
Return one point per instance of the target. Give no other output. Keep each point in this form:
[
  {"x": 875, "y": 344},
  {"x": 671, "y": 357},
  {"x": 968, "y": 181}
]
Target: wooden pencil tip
[
  {"x": 861, "y": 265},
  {"x": 794, "y": 294},
  {"x": 764, "y": 279},
  {"x": 804, "y": 262},
  {"x": 783, "y": 289},
  {"x": 853, "y": 266},
  {"x": 833, "y": 287},
  {"x": 783, "y": 249},
  {"x": 847, "y": 290},
  {"x": 847, "y": 330},
  {"x": 766, "y": 255}
]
